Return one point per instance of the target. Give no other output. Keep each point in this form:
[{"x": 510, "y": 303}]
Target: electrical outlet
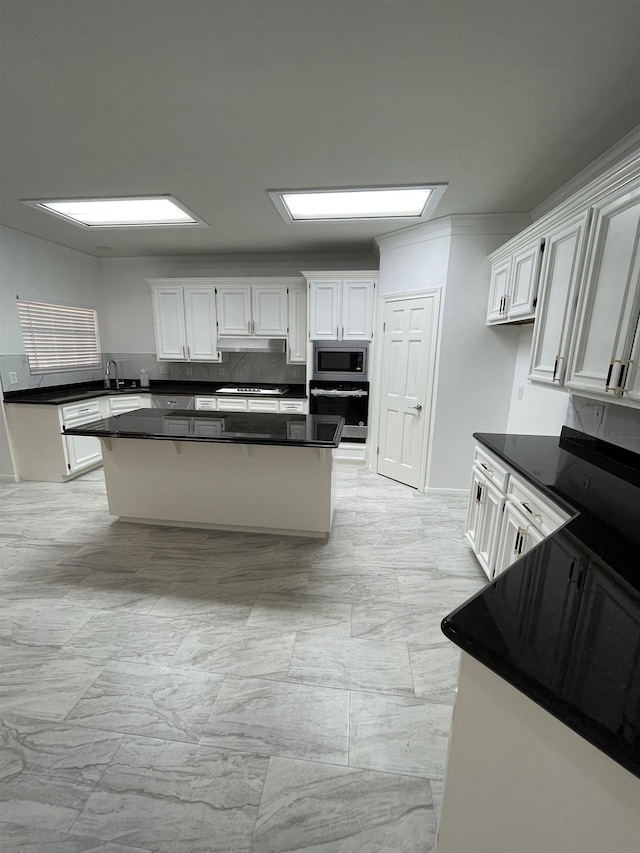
[
  {"x": 598, "y": 412},
  {"x": 520, "y": 391},
  {"x": 189, "y": 371},
  {"x": 221, "y": 371},
  {"x": 296, "y": 373},
  {"x": 163, "y": 371},
  {"x": 13, "y": 378}
]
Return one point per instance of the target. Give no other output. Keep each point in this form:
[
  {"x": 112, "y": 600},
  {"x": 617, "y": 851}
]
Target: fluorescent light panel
[
  {"x": 363, "y": 203},
  {"x": 133, "y": 212}
]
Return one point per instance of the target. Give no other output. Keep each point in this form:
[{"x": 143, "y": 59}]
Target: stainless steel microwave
[{"x": 340, "y": 362}]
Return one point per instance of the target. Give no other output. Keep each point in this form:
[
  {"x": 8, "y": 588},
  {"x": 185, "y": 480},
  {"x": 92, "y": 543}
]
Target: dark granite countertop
[
  {"x": 60, "y": 394},
  {"x": 563, "y": 623},
  {"x": 321, "y": 431}
]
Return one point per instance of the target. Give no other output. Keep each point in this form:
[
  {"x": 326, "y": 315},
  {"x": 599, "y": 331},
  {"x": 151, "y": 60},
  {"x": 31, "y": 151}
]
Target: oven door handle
[{"x": 329, "y": 392}]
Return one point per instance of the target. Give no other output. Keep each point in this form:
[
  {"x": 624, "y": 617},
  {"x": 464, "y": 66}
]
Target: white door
[
  {"x": 408, "y": 358},
  {"x": 524, "y": 282},
  {"x": 498, "y": 291}
]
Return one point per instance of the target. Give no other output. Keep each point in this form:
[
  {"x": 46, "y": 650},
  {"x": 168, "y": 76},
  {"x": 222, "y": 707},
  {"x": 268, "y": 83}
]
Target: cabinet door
[
  {"x": 262, "y": 405},
  {"x": 200, "y": 322},
  {"x": 83, "y": 451},
  {"x": 558, "y": 292},
  {"x": 297, "y": 344},
  {"x": 474, "y": 511},
  {"x": 324, "y": 310},
  {"x": 523, "y": 286},
  {"x": 516, "y": 536},
  {"x": 234, "y": 310},
  {"x": 492, "y": 503},
  {"x": 610, "y": 295},
  {"x": 631, "y": 385},
  {"x": 168, "y": 319},
  {"x": 357, "y": 311},
  {"x": 269, "y": 311},
  {"x": 498, "y": 290},
  {"x": 232, "y": 404}
]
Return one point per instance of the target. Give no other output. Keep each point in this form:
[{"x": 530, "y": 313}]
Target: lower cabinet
[
  {"x": 506, "y": 516},
  {"x": 252, "y": 404}
]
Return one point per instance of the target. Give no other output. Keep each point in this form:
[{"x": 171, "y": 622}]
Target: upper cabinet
[
  {"x": 184, "y": 317},
  {"x": 341, "y": 306},
  {"x": 514, "y": 283},
  {"x": 297, "y": 341},
  {"x": 252, "y": 309},
  {"x": 558, "y": 294},
  {"x": 609, "y": 307}
]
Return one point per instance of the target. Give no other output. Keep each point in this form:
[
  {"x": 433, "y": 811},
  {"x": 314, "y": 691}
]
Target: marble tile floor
[{"x": 184, "y": 691}]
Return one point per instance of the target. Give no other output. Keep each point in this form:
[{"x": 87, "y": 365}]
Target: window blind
[{"x": 59, "y": 337}]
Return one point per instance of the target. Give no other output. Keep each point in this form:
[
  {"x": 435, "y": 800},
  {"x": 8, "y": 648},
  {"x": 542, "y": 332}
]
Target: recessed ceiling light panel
[
  {"x": 126, "y": 212},
  {"x": 413, "y": 202}
]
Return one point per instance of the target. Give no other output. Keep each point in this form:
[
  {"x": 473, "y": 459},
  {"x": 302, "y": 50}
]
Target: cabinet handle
[
  {"x": 479, "y": 494},
  {"x": 487, "y": 469},
  {"x": 622, "y": 380},
  {"x": 517, "y": 543},
  {"x": 555, "y": 368},
  {"x": 249, "y": 327},
  {"x": 531, "y": 512},
  {"x": 501, "y": 305},
  {"x": 609, "y": 372},
  {"x": 188, "y": 352},
  {"x": 184, "y": 355},
  {"x": 337, "y": 333}
]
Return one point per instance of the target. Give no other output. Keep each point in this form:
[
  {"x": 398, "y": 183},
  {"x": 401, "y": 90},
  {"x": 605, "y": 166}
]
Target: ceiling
[{"x": 218, "y": 101}]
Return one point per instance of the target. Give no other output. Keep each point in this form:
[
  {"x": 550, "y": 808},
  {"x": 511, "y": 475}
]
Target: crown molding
[
  {"x": 501, "y": 224},
  {"x": 605, "y": 166}
]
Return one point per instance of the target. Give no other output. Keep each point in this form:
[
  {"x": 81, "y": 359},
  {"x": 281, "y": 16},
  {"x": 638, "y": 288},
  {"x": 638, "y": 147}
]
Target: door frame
[{"x": 375, "y": 410}]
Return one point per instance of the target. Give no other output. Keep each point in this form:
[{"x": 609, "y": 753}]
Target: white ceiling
[{"x": 218, "y": 101}]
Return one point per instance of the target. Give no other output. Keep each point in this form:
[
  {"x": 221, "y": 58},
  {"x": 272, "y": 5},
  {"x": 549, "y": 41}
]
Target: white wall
[
  {"x": 475, "y": 364},
  {"x": 540, "y": 410},
  {"x": 35, "y": 269}
]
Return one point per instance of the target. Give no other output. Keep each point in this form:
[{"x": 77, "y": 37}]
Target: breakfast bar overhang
[{"x": 263, "y": 473}]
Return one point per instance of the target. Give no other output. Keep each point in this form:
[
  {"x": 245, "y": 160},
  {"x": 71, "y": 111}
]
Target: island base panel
[
  {"x": 518, "y": 779},
  {"x": 259, "y": 488}
]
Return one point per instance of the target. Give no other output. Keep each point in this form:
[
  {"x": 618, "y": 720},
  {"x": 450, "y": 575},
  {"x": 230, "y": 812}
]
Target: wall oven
[
  {"x": 349, "y": 399},
  {"x": 337, "y": 361}
]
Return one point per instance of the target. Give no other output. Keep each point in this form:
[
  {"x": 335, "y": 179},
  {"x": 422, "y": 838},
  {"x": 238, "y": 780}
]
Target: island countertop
[
  {"x": 562, "y": 624},
  {"x": 320, "y": 431}
]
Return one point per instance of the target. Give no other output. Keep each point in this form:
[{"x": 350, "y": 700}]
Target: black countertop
[
  {"x": 563, "y": 623},
  {"x": 321, "y": 431},
  {"x": 60, "y": 394}
]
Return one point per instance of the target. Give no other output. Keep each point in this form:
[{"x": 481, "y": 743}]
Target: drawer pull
[
  {"x": 531, "y": 512},
  {"x": 487, "y": 469}
]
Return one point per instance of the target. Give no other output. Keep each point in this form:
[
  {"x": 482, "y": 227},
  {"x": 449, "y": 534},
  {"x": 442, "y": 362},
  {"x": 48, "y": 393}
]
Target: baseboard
[
  {"x": 458, "y": 492},
  {"x": 9, "y": 478}
]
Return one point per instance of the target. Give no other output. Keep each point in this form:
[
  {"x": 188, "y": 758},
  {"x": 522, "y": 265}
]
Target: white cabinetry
[
  {"x": 340, "y": 307},
  {"x": 185, "y": 321},
  {"x": 558, "y": 293},
  {"x": 610, "y": 300},
  {"x": 506, "y": 516},
  {"x": 128, "y": 403},
  {"x": 514, "y": 284},
  {"x": 297, "y": 343},
  {"x": 252, "y": 309},
  {"x": 83, "y": 451},
  {"x": 251, "y": 404}
]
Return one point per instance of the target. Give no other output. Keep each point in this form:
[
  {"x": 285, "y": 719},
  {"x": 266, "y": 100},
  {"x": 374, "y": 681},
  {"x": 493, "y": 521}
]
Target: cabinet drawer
[
  {"x": 81, "y": 410},
  {"x": 535, "y": 507},
  {"x": 129, "y": 403},
  {"x": 233, "y": 404},
  {"x": 263, "y": 405},
  {"x": 209, "y": 403},
  {"x": 296, "y": 406},
  {"x": 495, "y": 472}
]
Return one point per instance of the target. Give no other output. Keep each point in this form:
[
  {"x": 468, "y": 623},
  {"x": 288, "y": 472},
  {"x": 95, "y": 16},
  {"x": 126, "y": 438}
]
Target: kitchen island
[
  {"x": 261, "y": 473},
  {"x": 544, "y": 752}
]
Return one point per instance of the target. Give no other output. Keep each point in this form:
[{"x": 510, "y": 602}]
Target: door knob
[{"x": 418, "y": 407}]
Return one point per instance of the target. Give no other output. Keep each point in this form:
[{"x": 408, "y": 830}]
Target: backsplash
[
  {"x": 618, "y": 424},
  {"x": 235, "y": 367}
]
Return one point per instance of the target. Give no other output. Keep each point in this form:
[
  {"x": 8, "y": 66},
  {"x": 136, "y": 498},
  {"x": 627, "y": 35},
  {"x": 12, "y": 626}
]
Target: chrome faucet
[{"x": 119, "y": 381}]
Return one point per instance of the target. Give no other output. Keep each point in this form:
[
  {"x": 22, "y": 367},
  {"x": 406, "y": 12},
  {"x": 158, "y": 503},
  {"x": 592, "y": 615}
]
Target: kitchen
[{"x": 479, "y": 387}]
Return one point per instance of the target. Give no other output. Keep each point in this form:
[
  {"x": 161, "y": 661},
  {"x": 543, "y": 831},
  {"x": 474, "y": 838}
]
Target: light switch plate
[{"x": 13, "y": 377}]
